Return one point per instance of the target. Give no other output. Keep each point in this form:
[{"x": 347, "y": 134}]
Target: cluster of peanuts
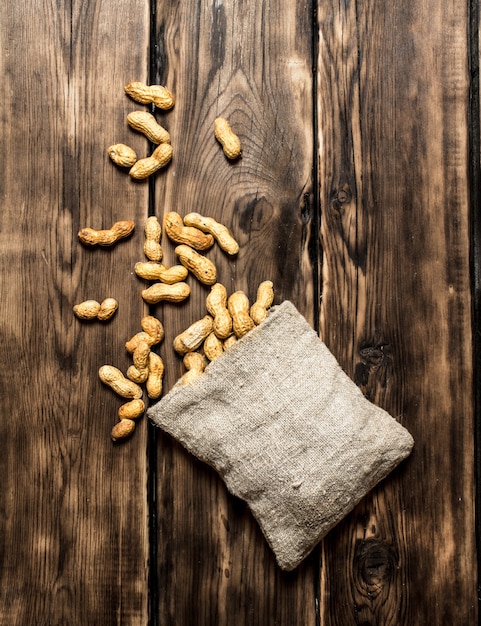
[
  {"x": 193, "y": 235},
  {"x": 146, "y": 123},
  {"x": 147, "y": 367},
  {"x": 229, "y": 318},
  {"x": 92, "y": 309}
]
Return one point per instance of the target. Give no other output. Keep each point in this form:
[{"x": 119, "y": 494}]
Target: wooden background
[{"x": 356, "y": 195}]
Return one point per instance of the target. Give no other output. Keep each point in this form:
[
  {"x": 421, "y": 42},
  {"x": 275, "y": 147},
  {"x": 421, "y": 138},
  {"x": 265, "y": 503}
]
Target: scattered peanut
[
  {"x": 193, "y": 336},
  {"x": 122, "y": 155},
  {"x": 153, "y": 327},
  {"x": 122, "y": 429},
  {"x": 131, "y": 410},
  {"x": 141, "y": 355},
  {"x": 107, "y": 309},
  {"x": 133, "y": 342},
  {"x": 91, "y": 309},
  {"x": 179, "y": 233},
  {"x": 159, "y": 158},
  {"x": 139, "y": 371},
  {"x": 119, "y": 230},
  {"x": 213, "y": 346},
  {"x": 195, "y": 365},
  {"x": 216, "y": 304},
  {"x": 238, "y": 305},
  {"x": 145, "y": 122},
  {"x": 153, "y": 232},
  {"x": 228, "y": 318},
  {"x": 163, "y": 292},
  {"x": 221, "y": 233},
  {"x": 265, "y": 297},
  {"x": 153, "y": 384},
  {"x": 136, "y": 375},
  {"x": 114, "y": 378},
  {"x": 87, "y": 310},
  {"x": 229, "y": 342},
  {"x": 229, "y": 141},
  {"x": 157, "y": 271},
  {"x": 200, "y": 266},
  {"x": 146, "y": 94}
]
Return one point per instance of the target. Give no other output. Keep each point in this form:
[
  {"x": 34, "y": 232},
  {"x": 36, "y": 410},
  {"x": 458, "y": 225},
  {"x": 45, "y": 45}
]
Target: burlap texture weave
[{"x": 287, "y": 430}]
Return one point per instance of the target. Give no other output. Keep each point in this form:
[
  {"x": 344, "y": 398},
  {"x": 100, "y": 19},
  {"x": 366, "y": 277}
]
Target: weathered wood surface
[
  {"x": 396, "y": 307},
  {"x": 74, "y": 533},
  {"x": 251, "y": 63},
  {"x": 358, "y": 191}
]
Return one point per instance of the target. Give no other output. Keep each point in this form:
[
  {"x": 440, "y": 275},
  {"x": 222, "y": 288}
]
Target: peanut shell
[
  {"x": 107, "y": 309},
  {"x": 145, "y": 122},
  {"x": 153, "y": 384},
  {"x": 131, "y": 410},
  {"x": 238, "y": 305},
  {"x": 177, "y": 232},
  {"x": 200, "y": 266},
  {"x": 221, "y": 233},
  {"x": 191, "y": 338},
  {"x": 159, "y": 158},
  {"x": 122, "y": 429},
  {"x": 146, "y": 94},
  {"x": 122, "y": 155},
  {"x": 114, "y": 378},
  {"x": 87, "y": 310},
  {"x": 229, "y": 141},
  {"x": 159, "y": 292},
  {"x": 195, "y": 365},
  {"x": 216, "y": 304}
]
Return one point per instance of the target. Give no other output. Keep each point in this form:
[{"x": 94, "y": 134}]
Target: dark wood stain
[
  {"x": 355, "y": 194},
  {"x": 395, "y": 308}
]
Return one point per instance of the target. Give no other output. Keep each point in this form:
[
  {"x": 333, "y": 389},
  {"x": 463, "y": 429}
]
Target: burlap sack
[{"x": 287, "y": 430}]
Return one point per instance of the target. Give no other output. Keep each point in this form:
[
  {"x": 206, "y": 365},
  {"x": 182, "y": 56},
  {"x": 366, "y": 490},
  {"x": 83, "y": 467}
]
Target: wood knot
[
  {"x": 306, "y": 209},
  {"x": 373, "y": 356},
  {"x": 372, "y": 359},
  {"x": 340, "y": 197},
  {"x": 375, "y": 563}
]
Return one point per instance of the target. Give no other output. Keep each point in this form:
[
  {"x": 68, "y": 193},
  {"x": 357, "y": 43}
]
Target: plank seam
[
  {"x": 315, "y": 248},
  {"x": 152, "y": 456},
  {"x": 475, "y": 253}
]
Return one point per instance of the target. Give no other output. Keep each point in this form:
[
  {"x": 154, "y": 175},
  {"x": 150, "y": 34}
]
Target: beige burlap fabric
[{"x": 287, "y": 430}]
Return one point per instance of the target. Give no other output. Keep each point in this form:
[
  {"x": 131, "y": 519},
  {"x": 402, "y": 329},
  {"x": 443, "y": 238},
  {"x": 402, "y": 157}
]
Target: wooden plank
[
  {"x": 393, "y": 95},
  {"x": 396, "y": 302},
  {"x": 249, "y": 62},
  {"x": 74, "y": 544}
]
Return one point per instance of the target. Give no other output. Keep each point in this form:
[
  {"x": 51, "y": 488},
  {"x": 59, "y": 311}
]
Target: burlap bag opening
[{"x": 287, "y": 430}]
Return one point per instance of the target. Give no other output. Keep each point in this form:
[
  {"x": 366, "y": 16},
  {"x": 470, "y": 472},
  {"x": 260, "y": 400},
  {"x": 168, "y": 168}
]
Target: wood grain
[
  {"x": 251, "y": 63},
  {"x": 142, "y": 533},
  {"x": 73, "y": 545},
  {"x": 396, "y": 301}
]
